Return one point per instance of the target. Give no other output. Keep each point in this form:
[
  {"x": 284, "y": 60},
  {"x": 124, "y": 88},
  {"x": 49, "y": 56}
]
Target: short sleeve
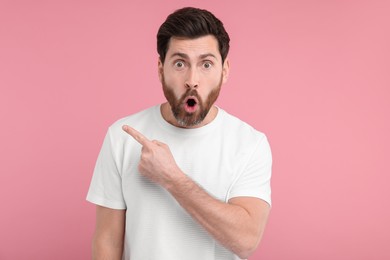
[
  {"x": 106, "y": 184},
  {"x": 255, "y": 178}
]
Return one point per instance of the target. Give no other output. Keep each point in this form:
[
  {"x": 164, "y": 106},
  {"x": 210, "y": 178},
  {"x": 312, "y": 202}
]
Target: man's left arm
[{"x": 238, "y": 224}]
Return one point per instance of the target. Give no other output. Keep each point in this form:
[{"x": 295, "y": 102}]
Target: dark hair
[{"x": 191, "y": 23}]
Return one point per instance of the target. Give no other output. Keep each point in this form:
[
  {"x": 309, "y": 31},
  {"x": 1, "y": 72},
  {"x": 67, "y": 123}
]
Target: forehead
[{"x": 194, "y": 48}]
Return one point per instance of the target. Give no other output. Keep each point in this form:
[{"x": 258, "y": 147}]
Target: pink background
[{"x": 313, "y": 75}]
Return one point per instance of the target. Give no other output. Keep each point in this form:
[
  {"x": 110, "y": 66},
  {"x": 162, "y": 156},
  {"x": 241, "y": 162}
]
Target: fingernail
[{"x": 124, "y": 127}]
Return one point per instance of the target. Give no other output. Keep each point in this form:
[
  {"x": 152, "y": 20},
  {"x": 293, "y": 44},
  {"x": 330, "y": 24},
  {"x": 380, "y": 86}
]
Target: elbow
[
  {"x": 245, "y": 253},
  {"x": 245, "y": 248}
]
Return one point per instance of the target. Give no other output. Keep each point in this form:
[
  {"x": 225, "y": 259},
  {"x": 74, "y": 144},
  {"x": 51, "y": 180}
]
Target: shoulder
[
  {"x": 240, "y": 130},
  {"x": 140, "y": 121}
]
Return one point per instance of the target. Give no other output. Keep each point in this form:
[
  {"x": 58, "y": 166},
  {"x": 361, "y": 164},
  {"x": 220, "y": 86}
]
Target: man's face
[{"x": 191, "y": 76}]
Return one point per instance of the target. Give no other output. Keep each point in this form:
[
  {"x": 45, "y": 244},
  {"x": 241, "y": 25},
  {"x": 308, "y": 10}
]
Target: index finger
[{"x": 140, "y": 138}]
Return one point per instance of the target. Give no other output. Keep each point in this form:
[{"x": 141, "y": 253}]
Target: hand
[{"x": 157, "y": 162}]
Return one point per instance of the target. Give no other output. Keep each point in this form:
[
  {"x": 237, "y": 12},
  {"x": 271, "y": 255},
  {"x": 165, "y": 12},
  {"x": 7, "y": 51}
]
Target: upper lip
[{"x": 191, "y": 97}]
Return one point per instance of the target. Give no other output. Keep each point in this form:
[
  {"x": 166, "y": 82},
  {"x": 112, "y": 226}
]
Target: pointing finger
[{"x": 140, "y": 138}]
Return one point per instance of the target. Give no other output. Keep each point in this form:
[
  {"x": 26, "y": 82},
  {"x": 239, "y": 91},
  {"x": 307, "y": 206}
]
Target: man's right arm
[{"x": 109, "y": 234}]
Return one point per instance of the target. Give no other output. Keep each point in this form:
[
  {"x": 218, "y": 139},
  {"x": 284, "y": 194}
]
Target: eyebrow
[{"x": 185, "y": 56}]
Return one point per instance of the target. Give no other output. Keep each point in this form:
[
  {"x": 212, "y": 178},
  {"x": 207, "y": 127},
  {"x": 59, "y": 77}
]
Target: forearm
[{"x": 230, "y": 224}]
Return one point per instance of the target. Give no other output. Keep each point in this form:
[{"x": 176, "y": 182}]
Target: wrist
[{"x": 177, "y": 180}]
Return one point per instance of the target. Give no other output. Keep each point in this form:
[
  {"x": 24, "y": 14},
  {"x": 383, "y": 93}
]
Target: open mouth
[{"x": 191, "y": 104}]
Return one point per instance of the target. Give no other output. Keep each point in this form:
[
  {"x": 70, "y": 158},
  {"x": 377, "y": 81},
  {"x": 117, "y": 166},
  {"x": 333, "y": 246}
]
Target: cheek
[
  {"x": 171, "y": 78},
  {"x": 211, "y": 84},
  {"x": 171, "y": 84},
  {"x": 215, "y": 81}
]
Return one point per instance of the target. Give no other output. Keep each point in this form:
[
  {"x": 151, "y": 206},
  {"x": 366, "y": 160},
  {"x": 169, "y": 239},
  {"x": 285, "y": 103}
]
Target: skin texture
[{"x": 195, "y": 65}]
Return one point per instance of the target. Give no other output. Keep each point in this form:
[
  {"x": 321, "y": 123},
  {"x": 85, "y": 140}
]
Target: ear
[
  {"x": 160, "y": 67},
  {"x": 225, "y": 70}
]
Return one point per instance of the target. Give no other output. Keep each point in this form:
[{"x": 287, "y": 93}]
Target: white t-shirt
[{"x": 227, "y": 157}]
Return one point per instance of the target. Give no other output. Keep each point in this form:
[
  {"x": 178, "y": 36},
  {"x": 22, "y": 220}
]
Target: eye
[
  {"x": 207, "y": 65},
  {"x": 179, "y": 64}
]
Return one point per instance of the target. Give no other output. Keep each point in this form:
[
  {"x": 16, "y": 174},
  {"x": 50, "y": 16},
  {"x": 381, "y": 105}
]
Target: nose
[{"x": 192, "y": 80}]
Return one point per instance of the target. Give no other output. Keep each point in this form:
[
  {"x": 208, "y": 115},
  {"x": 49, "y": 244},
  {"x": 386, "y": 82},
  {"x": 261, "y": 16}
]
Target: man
[{"x": 183, "y": 180}]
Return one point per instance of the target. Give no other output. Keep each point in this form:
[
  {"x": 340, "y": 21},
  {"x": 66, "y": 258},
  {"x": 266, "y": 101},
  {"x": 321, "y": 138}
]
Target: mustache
[{"x": 190, "y": 92}]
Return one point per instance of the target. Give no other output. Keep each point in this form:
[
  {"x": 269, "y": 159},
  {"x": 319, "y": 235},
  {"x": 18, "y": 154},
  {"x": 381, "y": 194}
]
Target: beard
[{"x": 190, "y": 119}]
